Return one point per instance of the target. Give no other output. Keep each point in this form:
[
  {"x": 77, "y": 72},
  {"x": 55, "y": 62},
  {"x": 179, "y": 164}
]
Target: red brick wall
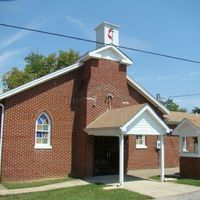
[
  {"x": 190, "y": 167},
  {"x": 72, "y": 148},
  {"x": 171, "y": 151},
  {"x": 20, "y": 160},
  {"x": 101, "y": 77},
  {"x": 149, "y": 158},
  {"x": 142, "y": 158}
]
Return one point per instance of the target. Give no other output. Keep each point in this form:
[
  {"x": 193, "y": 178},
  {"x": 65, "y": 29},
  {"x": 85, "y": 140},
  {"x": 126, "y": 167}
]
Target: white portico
[{"x": 132, "y": 120}]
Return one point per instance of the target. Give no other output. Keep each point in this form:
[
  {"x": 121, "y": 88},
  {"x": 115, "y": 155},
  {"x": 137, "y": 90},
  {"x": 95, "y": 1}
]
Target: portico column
[
  {"x": 121, "y": 159},
  {"x": 162, "y": 157}
]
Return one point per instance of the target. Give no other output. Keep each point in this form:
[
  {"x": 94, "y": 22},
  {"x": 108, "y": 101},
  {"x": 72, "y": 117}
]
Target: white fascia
[
  {"x": 154, "y": 115},
  {"x": 147, "y": 95},
  {"x": 97, "y": 54},
  {"x": 40, "y": 80}
]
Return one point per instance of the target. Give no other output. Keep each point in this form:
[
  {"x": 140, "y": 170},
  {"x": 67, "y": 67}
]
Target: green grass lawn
[
  {"x": 88, "y": 192},
  {"x": 186, "y": 181},
  {"x": 27, "y": 184}
]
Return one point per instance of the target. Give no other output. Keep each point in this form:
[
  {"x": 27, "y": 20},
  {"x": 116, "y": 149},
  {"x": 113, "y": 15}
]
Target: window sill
[
  {"x": 42, "y": 147},
  {"x": 141, "y": 147}
]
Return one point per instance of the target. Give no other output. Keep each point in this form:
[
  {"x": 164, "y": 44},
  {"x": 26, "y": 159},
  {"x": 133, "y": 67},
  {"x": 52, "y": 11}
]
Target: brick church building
[{"x": 87, "y": 119}]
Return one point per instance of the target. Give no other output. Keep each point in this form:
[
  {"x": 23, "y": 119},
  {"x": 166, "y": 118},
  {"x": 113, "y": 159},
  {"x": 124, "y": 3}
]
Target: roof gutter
[{"x": 1, "y": 137}]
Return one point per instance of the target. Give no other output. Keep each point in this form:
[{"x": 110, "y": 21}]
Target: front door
[{"x": 106, "y": 155}]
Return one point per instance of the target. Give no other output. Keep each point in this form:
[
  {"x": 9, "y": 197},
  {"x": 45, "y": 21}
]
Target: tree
[
  {"x": 196, "y": 110},
  {"x": 35, "y": 66},
  {"x": 172, "y": 106},
  {"x": 38, "y": 65},
  {"x": 14, "y": 78}
]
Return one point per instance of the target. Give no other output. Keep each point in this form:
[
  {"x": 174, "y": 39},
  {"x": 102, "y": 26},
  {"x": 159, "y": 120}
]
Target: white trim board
[
  {"x": 108, "y": 52},
  {"x": 40, "y": 80}
]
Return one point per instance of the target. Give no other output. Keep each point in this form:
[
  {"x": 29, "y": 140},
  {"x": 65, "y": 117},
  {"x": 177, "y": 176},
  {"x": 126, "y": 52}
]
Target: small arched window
[{"x": 43, "y": 131}]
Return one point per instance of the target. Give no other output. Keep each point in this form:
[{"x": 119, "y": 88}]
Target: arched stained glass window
[{"x": 43, "y": 131}]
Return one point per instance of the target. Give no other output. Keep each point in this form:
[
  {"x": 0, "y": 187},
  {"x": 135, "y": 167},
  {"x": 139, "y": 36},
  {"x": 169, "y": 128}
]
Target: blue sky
[{"x": 164, "y": 26}]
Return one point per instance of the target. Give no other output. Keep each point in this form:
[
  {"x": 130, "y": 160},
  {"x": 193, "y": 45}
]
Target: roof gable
[
  {"x": 108, "y": 52},
  {"x": 187, "y": 128},
  {"x": 147, "y": 118},
  {"x": 130, "y": 120}
]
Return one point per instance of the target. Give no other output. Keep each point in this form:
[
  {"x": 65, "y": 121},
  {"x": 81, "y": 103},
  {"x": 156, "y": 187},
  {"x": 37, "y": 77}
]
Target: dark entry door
[{"x": 106, "y": 155}]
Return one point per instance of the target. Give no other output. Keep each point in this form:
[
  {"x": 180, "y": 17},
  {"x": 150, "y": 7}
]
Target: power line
[
  {"x": 184, "y": 95},
  {"x": 183, "y": 7},
  {"x": 158, "y": 96},
  {"x": 93, "y": 41}
]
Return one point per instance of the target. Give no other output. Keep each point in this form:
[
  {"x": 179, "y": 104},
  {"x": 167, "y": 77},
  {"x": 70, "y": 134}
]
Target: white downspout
[{"x": 1, "y": 137}]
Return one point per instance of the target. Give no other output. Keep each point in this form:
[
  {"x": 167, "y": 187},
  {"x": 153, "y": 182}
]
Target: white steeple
[{"x": 107, "y": 33}]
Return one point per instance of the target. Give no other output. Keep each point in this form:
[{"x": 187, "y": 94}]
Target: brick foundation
[{"x": 190, "y": 167}]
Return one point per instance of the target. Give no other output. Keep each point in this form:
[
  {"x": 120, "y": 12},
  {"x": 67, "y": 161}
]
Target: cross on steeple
[{"x": 107, "y": 33}]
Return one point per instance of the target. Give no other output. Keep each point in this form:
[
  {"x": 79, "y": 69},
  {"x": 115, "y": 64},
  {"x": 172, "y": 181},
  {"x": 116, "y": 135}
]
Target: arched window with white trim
[{"x": 43, "y": 131}]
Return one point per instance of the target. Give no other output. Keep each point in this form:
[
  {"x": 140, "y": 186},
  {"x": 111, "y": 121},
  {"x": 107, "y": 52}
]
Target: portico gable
[{"x": 132, "y": 120}]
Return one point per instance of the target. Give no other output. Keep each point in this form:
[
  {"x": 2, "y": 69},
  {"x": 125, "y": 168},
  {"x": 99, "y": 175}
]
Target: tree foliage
[
  {"x": 172, "y": 106},
  {"x": 38, "y": 65},
  {"x": 196, "y": 110}
]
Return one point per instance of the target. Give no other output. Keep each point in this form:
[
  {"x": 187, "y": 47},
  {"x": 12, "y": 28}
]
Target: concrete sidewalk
[
  {"x": 188, "y": 196},
  {"x": 158, "y": 189},
  {"x": 148, "y": 187},
  {"x": 146, "y": 173},
  {"x": 67, "y": 184},
  {"x": 137, "y": 183}
]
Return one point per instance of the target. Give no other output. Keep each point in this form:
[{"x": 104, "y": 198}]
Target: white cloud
[
  {"x": 81, "y": 26},
  {"x": 14, "y": 38},
  {"x": 6, "y": 56},
  {"x": 21, "y": 34}
]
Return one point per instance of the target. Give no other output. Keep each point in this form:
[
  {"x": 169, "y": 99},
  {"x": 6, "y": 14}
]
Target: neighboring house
[
  {"x": 187, "y": 127},
  {"x": 87, "y": 119}
]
